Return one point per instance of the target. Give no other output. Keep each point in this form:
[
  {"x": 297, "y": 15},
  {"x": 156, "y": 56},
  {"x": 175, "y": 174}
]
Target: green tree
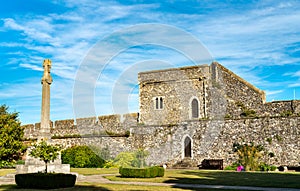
[
  {"x": 11, "y": 135},
  {"x": 131, "y": 159},
  {"x": 45, "y": 152},
  {"x": 124, "y": 159},
  {"x": 140, "y": 157}
]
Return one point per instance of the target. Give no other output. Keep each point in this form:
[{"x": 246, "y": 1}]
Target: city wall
[{"x": 210, "y": 138}]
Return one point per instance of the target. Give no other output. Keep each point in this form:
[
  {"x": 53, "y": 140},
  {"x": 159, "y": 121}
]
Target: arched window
[
  {"x": 159, "y": 103},
  {"x": 187, "y": 147},
  {"x": 195, "y": 108}
]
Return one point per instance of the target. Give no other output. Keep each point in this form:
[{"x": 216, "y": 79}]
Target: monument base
[
  {"x": 57, "y": 168},
  {"x": 34, "y": 165}
]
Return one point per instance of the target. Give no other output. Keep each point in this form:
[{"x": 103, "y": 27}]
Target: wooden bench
[{"x": 212, "y": 164}]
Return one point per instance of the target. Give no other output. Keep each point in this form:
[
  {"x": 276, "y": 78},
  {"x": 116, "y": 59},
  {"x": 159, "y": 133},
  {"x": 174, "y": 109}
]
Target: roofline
[{"x": 174, "y": 69}]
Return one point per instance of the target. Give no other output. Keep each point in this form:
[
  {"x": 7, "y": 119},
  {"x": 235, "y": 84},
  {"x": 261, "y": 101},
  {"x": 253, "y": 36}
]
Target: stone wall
[
  {"x": 211, "y": 139},
  {"x": 281, "y": 108},
  {"x": 219, "y": 91},
  {"x": 177, "y": 88},
  {"x": 238, "y": 93},
  {"x": 214, "y": 139},
  {"x": 102, "y": 125}
]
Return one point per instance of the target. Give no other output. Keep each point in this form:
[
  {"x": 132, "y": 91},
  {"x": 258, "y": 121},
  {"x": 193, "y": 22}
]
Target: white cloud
[
  {"x": 269, "y": 93},
  {"x": 242, "y": 40}
]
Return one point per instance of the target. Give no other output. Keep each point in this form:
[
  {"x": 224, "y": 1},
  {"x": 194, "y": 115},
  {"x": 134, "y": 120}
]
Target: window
[
  {"x": 195, "y": 108},
  {"x": 159, "y": 103}
]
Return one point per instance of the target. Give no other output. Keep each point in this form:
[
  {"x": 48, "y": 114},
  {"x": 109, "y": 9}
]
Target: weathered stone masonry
[{"x": 208, "y": 107}]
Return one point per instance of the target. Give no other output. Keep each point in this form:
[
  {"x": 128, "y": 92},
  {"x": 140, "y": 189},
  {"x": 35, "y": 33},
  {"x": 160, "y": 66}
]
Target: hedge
[
  {"x": 81, "y": 157},
  {"x": 150, "y": 172},
  {"x": 45, "y": 180}
]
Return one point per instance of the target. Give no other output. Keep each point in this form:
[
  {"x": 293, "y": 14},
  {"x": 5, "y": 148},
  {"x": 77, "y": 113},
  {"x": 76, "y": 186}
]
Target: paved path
[{"x": 9, "y": 179}]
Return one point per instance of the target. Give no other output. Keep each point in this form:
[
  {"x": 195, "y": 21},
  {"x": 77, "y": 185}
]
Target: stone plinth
[
  {"x": 33, "y": 165},
  {"x": 57, "y": 168}
]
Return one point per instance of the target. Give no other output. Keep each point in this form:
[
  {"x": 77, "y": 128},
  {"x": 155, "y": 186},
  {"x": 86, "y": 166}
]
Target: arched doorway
[{"x": 187, "y": 147}]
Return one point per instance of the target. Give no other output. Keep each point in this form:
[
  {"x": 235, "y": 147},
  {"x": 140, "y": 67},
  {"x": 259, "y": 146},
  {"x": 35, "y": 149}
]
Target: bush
[
  {"x": 266, "y": 167},
  {"x": 81, "y": 157},
  {"x": 232, "y": 167},
  {"x": 131, "y": 159},
  {"x": 45, "y": 181},
  {"x": 150, "y": 172},
  {"x": 249, "y": 155}
]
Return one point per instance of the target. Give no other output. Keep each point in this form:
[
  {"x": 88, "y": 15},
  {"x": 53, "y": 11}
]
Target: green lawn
[
  {"x": 92, "y": 171},
  {"x": 112, "y": 187},
  {"x": 260, "y": 179}
]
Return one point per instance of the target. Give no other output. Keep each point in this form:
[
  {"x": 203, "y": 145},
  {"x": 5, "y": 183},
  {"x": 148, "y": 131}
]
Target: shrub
[
  {"x": 286, "y": 113},
  {"x": 232, "y": 167},
  {"x": 248, "y": 113},
  {"x": 249, "y": 155},
  {"x": 131, "y": 159},
  {"x": 266, "y": 167},
  {"x": 45, "y": 181},
  {"x": 150, "y": 172},
  {"x": 81, "y": 157},
  {"x": 124, "y": 159}
]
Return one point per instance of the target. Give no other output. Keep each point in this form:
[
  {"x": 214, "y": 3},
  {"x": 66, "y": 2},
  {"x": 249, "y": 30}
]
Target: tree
[
  {"x": 45, "y": 152},
  {"x": 131, "y": 159},
  {"x": 140, "y": 157},
  {"x": 11, "y": 135}
]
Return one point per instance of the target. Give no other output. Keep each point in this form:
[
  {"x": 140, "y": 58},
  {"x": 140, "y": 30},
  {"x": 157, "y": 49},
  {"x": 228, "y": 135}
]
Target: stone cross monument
[
  {"x": 45, "y": 111},
  {"x": 32, "y": 164}
]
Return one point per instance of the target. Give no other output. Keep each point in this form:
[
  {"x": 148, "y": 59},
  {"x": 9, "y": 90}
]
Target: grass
[
  {"x": 259, "y": 179},
  {"x": 4, "y": 172},
  {"x": 111, "y": 187},
  {"x": 94, "y": 171}
]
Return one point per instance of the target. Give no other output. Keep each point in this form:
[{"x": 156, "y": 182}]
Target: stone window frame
[
  {"x": 183, "y": 146},
  {"x": 158, "y": 102},
  {"x": 191, "y": 108}
]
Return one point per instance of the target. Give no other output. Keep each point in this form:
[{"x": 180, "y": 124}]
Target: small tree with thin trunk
[{"x": 45, "y": 152}]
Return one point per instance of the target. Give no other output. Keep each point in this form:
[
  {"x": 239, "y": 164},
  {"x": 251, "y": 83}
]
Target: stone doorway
[{"x": 187, "y": 147}]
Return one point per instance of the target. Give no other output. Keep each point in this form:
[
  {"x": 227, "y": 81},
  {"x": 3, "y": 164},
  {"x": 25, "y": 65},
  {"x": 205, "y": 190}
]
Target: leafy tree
[
  {"x": 140, "y": 157},
  {"x": 131, "y": 159},
  {"x": 124, "y": 159},
  {"x": 11, "y": 135},
  {"x": 45, "y": 152}
]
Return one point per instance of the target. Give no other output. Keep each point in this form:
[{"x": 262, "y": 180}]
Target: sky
[{"x": 258, "y": 40}]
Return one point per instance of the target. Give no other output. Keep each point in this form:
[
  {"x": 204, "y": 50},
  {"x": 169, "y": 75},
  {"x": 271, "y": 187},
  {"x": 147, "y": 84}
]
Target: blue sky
[{"x": 258, "y": 40}]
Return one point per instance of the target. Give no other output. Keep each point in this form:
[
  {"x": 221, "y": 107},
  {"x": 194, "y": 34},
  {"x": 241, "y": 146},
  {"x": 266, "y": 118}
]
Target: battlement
[{"x": 86, "y": 126}]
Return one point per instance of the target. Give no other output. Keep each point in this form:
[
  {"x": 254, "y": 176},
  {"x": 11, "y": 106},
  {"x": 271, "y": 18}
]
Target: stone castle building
[{"x": 189, "y": 114}]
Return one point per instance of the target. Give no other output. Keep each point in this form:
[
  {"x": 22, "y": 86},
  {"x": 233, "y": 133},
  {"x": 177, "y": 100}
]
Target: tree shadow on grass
[
  {"x": 76, "y": 187},
  {"x": 230, "y": 178}
]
